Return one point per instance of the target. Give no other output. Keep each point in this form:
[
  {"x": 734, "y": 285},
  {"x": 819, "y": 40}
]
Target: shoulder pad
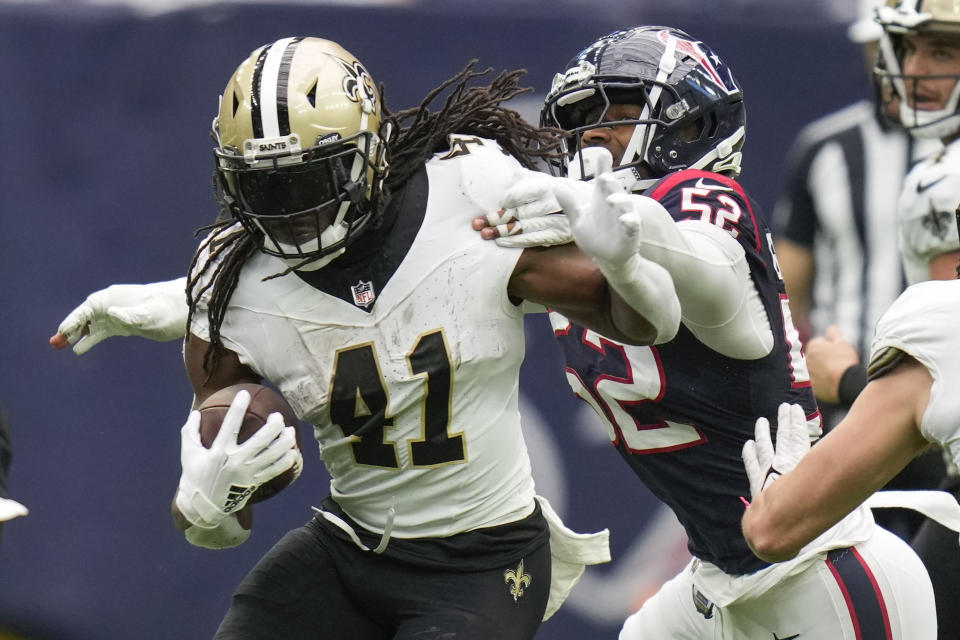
[
  {"x": 927, "y": 221},
  {"x": 919, "y": 316},
  {"x": 208, "y": 255},
  {"x": 713, "y": 198},
  {"x": 883, "y": 361},
  {"x": 937, "y": 184},
  {"x": 486, "y": 170},
  {"x": 213, "y": 241}
]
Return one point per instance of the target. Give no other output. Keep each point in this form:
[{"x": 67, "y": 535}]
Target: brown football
[{"x": 263, "y": 402}]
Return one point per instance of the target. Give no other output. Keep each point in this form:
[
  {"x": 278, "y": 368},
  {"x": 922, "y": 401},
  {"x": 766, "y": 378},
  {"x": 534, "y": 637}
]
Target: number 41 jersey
[
  {"x": 411, "y": 385},
  {"x": 679, "y": 413}
]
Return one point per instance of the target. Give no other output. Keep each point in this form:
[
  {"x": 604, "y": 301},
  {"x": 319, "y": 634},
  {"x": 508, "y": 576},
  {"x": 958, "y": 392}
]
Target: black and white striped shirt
[{"x": 839, "y": 199}]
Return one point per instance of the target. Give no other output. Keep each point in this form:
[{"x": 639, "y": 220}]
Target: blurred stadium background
[{"x": 105, "y": 175}]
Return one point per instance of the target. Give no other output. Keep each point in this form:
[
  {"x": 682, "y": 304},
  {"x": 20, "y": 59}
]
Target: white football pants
[{"x": 877, "y": 590}]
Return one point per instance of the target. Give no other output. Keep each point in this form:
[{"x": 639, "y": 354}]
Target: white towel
[{"x": 570, "y": 553}]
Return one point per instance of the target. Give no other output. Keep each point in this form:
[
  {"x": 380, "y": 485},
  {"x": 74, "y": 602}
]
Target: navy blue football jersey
[{"x": 679, "y": 413}]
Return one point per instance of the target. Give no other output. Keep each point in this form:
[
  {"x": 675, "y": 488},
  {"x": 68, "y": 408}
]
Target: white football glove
[
  {"x": 530, "y": 215},
  {"x": 156, "y": 311},
  {"x": 763, "y": 463},
  {"x": 220, "y": 480},
  {"x": 10, "y": 509},
  {"x": 606, "y": 227}
]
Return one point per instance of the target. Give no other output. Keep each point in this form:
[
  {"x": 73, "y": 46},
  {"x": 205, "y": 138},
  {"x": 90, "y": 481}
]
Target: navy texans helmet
[{"x": 692, "y": 116}]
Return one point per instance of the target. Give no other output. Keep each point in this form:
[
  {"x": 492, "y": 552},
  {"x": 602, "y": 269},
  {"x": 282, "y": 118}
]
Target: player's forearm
[
  {"x": 644, "y": 305},
  {"x": 876, "y": 439},
  {"x": 793, "y": 510},
  {"x": 776, "y": 528}
]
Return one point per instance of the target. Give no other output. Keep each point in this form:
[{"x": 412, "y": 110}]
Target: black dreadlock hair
[{"x": 419, "y": 133}]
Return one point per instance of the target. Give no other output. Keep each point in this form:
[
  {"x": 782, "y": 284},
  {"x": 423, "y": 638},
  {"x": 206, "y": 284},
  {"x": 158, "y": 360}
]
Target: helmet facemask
[{"x": 307, "y": 207}]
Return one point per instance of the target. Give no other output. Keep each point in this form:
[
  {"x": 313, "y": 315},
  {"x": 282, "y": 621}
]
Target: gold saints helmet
[
  {"x": 299, "y": 159},
  {"x": 901, "y": 18}
]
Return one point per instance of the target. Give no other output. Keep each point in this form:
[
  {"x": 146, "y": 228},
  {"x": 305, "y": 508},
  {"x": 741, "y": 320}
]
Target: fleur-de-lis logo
[
  {"x": 357, "y": 83},
  {"x": 937, "y": 222},
  {"x": 518, "y": 580}
]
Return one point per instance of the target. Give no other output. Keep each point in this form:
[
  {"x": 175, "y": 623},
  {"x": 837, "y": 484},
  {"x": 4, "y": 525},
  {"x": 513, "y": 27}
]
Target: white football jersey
[
  {"x": 927, "y": 225},
  {"x": 430, "y": 373},
  {"x": 923, "y": 323}
]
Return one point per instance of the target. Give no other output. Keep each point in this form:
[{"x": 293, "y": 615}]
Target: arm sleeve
[{"x": 718, "y": 300}]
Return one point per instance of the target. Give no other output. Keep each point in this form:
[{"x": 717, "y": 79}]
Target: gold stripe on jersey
[{"x": 883, "y": 362}]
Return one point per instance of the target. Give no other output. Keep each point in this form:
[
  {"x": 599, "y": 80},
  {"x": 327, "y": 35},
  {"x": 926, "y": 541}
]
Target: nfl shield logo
[{"x": 363, "y": 295}]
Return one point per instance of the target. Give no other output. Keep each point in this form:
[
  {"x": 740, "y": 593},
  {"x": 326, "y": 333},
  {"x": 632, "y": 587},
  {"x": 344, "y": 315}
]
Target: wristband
[{"x": 852, "y": 382}]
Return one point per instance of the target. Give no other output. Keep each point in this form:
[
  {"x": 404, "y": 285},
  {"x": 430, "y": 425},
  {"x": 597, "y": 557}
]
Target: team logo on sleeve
[
  {"x": 518, "y": 580},
  {"x": 363, "y": 293},
  {"x": 937, "y": 222}
]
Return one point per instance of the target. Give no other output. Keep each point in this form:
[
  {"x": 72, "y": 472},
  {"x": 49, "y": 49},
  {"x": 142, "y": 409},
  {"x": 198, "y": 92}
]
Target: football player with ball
[
  {"x": 658, "y": 119},
  {"x": 329, "y": 275}
]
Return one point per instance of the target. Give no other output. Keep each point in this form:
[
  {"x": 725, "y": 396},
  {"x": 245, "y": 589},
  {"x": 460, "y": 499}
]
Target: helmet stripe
[
  {"x": 255, "y": 94},
  {"x": 270, "y": 85},
  {"x": 640, "y": 137},
  {"x": 283, "y": 78}
]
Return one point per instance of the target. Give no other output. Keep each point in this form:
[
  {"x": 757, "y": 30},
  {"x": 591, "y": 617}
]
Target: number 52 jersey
[{"x": 680, "y": 412}]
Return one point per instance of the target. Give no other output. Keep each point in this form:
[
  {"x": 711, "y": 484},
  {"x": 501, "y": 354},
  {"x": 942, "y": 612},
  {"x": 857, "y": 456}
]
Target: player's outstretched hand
[
  {"x": 605, "y": 227},
  {"x": 218, "y": 481},
  {"x": 765, "y": 464},
  {"x": 530, "y": 215},
  {"x": 10, "y": 509},
  {"x": 156, "y": 311}
]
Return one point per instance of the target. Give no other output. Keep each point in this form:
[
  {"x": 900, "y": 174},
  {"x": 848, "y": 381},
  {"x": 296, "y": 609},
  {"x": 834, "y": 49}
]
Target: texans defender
[{"x": 672, "y": 116}]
